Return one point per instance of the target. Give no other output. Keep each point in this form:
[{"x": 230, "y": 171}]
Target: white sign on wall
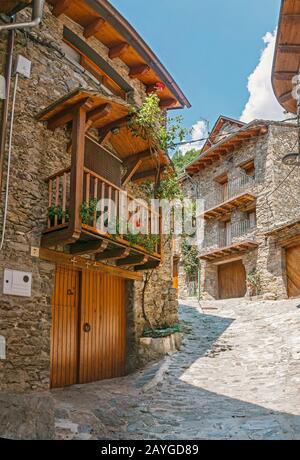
[
  {"x": 17, "y": 283},
  {"x": 2, "y": 347},
  {"x": 2, "y": 87}
]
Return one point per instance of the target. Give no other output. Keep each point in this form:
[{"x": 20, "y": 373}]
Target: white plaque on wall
[{"x": 17, "y": 283}]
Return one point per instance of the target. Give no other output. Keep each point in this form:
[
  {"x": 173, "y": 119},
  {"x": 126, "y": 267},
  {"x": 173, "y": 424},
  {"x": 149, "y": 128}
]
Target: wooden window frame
[{"x": 97, "y": 65}]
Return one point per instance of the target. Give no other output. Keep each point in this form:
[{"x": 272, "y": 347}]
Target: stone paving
[{"x": 236, "y": 377}]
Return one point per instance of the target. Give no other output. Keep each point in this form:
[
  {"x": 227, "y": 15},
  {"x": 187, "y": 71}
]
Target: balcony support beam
[{"x": 77, "y": 167}]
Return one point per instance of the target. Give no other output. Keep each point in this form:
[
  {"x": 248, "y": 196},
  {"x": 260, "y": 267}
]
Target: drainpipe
[
  {"x": 4, "y": 117},
  {"x": 37, "y": 15}
]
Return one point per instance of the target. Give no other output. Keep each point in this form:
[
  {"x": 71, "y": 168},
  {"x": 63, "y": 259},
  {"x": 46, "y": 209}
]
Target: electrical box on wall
[
  {"x": 23, "y": 66},
  {"x": 2, "y": 347},
  {"x": 17, "y": 283},
  {"x": 2, "y": 87}
]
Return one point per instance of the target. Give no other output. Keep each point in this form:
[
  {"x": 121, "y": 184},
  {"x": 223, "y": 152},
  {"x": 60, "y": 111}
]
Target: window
[
  {"x": 249, "y": 168},
  {"x": 95, "y": 64},
  {"x": 252, "y": 219},
  {"x": 223, "y": 181}
]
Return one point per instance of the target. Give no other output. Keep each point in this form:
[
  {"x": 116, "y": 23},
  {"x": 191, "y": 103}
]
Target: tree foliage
[
  {"x": 181, "y": 160},
  {"x": 190, "y": 259},
  {"x": 151, "y": 123}
]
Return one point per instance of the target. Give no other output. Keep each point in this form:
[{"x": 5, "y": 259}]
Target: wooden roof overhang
[
  {"x": 218, "y": 212},
  {"x": 10, "y": 7},
  {"x": 101, "y": 20},
  {"x": 224, "y": 147},
  {"x": 277, "y": 230},
  {"x": 286, "y": 240},
  {"x": 287, "y": 54},
  {"x": 217, "y": 128},
  {"x": 110, "y": 115},
  {"x": 234, "y": 249}
]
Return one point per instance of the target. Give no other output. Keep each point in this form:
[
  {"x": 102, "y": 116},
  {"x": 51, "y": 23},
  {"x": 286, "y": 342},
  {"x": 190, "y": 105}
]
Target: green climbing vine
[
  {"x": 190, "y": 259},
  {"x": 254, "y": 283}
]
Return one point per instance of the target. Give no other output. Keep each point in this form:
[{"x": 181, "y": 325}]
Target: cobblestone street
[{"x": 236, "y": 377}]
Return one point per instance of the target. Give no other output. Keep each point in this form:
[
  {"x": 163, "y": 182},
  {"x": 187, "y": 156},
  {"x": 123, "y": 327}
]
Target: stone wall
[
  {"x": 38, "y": 153},
  {"x": 277, "y": 189}
]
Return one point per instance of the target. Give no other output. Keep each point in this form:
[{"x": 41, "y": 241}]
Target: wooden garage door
[
  {"x": 293, "y": 271},
  {"x": 232, "y": 280},
  {"x": 88, "y": 327}
]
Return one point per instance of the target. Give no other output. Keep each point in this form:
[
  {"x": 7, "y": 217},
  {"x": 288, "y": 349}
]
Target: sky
[{"x": 219, "y": 52}]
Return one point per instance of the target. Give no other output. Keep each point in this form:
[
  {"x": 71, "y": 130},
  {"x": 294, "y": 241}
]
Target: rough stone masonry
[{"x": 38, "y": 153}]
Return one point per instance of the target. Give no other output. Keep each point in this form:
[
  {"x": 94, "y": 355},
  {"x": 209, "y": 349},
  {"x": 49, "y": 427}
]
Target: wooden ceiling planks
[
  {"x": 235, "y": 248},
  {"x": 82, "y": 13},
  {"x": 219, "y": 211},
  {"x": 105, "y": 114},
  {"x": 287, "y": 54},
  {"x": 7, "y": 6}
]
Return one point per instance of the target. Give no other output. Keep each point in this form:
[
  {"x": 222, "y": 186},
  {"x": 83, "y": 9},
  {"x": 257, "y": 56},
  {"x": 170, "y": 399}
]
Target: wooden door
[
  {"x": 232, "y": 280},
  {"x": 175, "y": 274},
  {"x": 225, "y": 191},
  {"x": 102, "y": 327},
  {"x": 293, "y": 271},
  {"x": 65, "y": 314}
]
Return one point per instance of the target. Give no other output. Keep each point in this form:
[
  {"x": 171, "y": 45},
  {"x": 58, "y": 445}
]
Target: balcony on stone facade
[
  {"x": 234, "y": 239},
  {"x": 89, "y": 208},
  {"x": 100, "y": 218},
  {"x": 229, "y": 196}
]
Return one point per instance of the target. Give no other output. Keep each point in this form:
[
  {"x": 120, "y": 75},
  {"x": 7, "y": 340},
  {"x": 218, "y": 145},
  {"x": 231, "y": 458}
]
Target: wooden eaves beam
[
  {"x": 147, "y": 174},
  {"x": 117, "y": 50},
  {"x": 144, "y": 155},
  {"x": 67, "y": 115},
  {"x": 98, "y": 113},
  {"x": 61, "y": 7},
  {"x": 114, "y": 254},
  {"x": 133, "y": 261},
  {"x": 152, "y": 265},
  {"x": 167, "y": 104},
  {"x": 131, "y": 172},
  {"x": 286, "y": 97},
  {"x": 106, "y": 131},
  {"x": 289, "y": 49},
  {"x": 284, "y": 76},
  {"x": 139, "y": 70},
  {"x": 94, "y": 27},
  {"x": 88, "y": 247}
]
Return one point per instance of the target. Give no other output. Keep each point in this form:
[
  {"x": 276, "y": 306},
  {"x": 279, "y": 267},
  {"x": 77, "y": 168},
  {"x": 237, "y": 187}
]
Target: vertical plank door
[
  {"x": 102, "y": 327},
  {"x": 293, "y": 271},
  {"x": 232, "y": 280},
  {"x": 64, "y": 343}
]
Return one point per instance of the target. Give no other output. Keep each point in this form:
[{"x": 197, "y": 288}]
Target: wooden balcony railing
[
  {"x": 230, "y": 235},
  {"x": 235, "y": 187},
  {"x": 58, "y": 199},
  {"x": 106, "y": 210}
]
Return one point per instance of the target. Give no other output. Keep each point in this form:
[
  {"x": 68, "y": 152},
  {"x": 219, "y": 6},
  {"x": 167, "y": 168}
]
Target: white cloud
[
  {"x": 262, "y": 103},
  {"x": 199, "y": 131}
]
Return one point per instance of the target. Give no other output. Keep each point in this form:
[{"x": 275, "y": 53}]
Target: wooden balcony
[
  {"x": 218, "y": 212},
  {"x": 9, "y": 6},
  {"x": 233, "y": 249},
  {"x": 233, "y": 239},
  {"x": 95, "y": 174},
  {"x": 94, "y": 237}
]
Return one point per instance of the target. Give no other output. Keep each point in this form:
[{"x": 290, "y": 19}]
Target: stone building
[
  {"x": 248, "y": 192},
  {"x": 71, "y": 308}
]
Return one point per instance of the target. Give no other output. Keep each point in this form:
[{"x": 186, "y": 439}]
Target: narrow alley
[{"x": 236, "y": 377}]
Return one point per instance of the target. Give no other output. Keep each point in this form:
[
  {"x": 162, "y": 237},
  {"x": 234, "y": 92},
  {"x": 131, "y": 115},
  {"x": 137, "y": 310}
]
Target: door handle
[{"x": 87, "y": 327}]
